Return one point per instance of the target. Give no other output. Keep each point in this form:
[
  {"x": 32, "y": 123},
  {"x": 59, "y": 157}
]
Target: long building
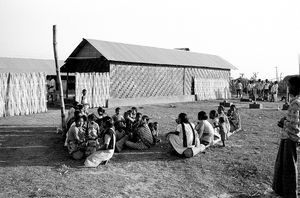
[{"x": 138, "y": 74}]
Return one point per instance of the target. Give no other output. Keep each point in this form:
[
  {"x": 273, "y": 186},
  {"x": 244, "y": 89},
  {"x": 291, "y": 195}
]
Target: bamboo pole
[
  {"x": 61, "y": 96},
  {"x": 67, "y": 89}
]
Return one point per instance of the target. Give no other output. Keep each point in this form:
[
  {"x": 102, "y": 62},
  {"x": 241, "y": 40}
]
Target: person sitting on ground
[
  {"x": 118, "y": 117},
  {"x": 143, "y": 136},
  {"x": 153, "y": 128},
  {"x": 134, "y": 112},
  {"x": 92, "y": 135},
  {"x": 72, "y": 111},
  {"x": 221, "y": 113},
  {"x": 76, "y": 139},
  {"x": 214, "y": 121},
  {"x": 213, "y": 118},
  {"x": 234, "y": 118},
  {"x": 71, "y": 121},
  {"x": 83, "y": 111},
  {"x": 128, "y": 122},
  {"x": 223, "y": 130},
  {"x": 105, "y": 153},
  {"x": 101, "y": 113},
  {"x": 185, "y": 140},
  {"x": 204, "y": 129},
  {"x": 137, "y": 121}
]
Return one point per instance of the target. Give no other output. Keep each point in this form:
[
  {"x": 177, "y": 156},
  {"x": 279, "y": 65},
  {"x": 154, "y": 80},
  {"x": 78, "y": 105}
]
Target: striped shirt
[
  {"x": 291, "y": 127},
  {"x": 145, "y": 135}
]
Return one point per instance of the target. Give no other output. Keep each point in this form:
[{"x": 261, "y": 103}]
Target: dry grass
[{"x": 244, "y": 168}]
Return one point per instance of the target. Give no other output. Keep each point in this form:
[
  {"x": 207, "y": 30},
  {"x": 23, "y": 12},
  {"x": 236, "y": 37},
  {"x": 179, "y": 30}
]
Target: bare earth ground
[{"x": 33, "y": 162}]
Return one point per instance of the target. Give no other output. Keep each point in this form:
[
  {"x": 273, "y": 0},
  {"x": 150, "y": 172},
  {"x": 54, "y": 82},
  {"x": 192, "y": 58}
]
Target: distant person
[
  {"x": 52, "y": 89},
  {"x": 274, "y": 92},
  {"x": 239, "y": 88},
  {"x": 266, "y": 90},
  {"x": 285, "y": 181},
  {"x": 260, "y": 88},
  {"x": 84, "y": 100},
  {"x": 185, "y": 140}
]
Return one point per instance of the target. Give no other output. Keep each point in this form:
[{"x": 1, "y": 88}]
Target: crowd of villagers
[
  {"x": 97, "y": 137},
  {"x": 261, "y": 90}
]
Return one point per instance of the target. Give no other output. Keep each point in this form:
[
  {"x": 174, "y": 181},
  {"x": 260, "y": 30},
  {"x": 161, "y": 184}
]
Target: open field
[{"x": 34, "y": 163}]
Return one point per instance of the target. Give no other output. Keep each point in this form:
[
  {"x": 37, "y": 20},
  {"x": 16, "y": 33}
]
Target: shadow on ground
[{"x": 42, "y": 146}]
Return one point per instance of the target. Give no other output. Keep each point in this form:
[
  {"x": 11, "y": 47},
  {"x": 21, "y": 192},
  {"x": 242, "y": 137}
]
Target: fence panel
[
  {"x": 97, "y": 86},
  {"x": 22, "y": 93},
  {"x": 210, "y": 89}
]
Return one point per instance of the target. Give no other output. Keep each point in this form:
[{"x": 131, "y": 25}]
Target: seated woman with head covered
[{"x": 185, "y": 140}]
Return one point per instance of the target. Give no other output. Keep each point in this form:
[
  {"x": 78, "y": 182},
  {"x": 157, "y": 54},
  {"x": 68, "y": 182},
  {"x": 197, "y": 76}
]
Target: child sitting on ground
[
  {"x": 223, "y": 130},
  {"x": 234, "y": 118},
  {"x": 153, "y": 128},
  {"x": 72, "y": 111},
  {"x": 76, "y": 139},
  {"x": 214, "y": 121},
  {"x": 117, "y": 117},
  {"x": 92, "y": 135},
  {"x": 204, "y": 129},
  {"x": 134, "y": 112},
  {"x": 221, "y": 113}
]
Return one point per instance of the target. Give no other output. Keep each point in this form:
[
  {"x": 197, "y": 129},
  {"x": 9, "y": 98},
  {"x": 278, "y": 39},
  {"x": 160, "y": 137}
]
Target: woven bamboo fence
[
  {"x": 210, "y": 89},
  {"x": 97, "y": 86},
  {"x": 135, "y": 81},
  {"x": 202, "y": 73},
  {"x": 22, "y": 93}
]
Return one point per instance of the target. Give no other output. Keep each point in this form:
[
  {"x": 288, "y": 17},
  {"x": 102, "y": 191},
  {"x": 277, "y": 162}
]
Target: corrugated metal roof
[
  {"x": 113, "y": 51},
  {"x": 25, "y": 65}
]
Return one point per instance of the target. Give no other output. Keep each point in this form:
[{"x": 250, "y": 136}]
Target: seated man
[{"x": 144, "y": 136}]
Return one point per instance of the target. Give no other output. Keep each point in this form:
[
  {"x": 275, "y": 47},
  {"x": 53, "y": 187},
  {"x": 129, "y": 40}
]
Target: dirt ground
[{"x": 34, "y": 162}]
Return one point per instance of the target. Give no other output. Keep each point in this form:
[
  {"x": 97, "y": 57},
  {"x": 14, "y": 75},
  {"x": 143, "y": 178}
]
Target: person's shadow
[{"x": 44, "y": 147}]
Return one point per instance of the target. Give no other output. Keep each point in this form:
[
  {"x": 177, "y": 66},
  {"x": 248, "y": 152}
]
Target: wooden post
[
  {"x": 67, "y": 89},
  {"x": 61, "y": 96}
]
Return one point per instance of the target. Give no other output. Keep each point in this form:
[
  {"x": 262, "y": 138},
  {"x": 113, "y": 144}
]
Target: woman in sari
[
  {"x": 185, "y": 140},
  {"x": 285, "y": 181},
  {"x": 106, "y": 151}
]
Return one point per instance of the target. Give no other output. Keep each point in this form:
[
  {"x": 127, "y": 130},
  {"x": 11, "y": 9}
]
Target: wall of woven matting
[
  {"x": 211, "y": 89},
  {"x": 203, "y": 73},
  {"x": 97, "y": 86},
  {"x": 134, "y": 81},
  {"x": 22, "y": 93}
]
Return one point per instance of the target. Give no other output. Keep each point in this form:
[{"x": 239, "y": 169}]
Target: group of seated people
[
  {"x": 97, "y": 137},
  {"x": 189, "y": 139}
]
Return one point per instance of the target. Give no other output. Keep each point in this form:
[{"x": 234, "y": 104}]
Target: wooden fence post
[{"x": 62, "y": 103}]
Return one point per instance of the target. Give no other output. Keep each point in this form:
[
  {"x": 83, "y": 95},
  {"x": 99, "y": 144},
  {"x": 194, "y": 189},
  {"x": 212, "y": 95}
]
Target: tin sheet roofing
[
  {"x": 25, "y": 65},
  {"x": 121, "y": 52}
]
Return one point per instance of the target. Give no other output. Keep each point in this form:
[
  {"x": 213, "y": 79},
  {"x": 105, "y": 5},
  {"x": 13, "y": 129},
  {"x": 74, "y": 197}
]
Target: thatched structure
[
  {"x": 138, "y": 72},
  {"x": 23, "y": 85}
]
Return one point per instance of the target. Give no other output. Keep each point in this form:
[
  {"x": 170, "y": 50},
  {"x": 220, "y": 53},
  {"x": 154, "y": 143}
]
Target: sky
[{"x": 256, "y": 36}]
